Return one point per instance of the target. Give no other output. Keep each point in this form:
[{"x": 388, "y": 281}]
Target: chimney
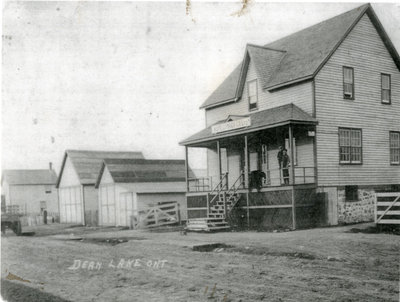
[{"x": 50, "y": 165}]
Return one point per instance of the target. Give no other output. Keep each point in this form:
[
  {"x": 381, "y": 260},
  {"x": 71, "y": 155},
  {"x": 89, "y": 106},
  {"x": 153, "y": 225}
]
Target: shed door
[
  {"x": 71, "y": 205},
  {"x": 107, "y": 205},
  {"x": 125, "y": 208}
]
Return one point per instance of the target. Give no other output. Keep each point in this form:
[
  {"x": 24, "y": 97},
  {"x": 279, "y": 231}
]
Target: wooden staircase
[{"x": 220, "y": 203}]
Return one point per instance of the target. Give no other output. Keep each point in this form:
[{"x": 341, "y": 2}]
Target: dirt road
[{"x": 330, "y": 264}]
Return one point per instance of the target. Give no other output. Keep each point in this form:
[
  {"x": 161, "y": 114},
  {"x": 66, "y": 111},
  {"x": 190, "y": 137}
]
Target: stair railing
[
  {"x": 233, "y": 190},
  {"x": 217, "y": 190}
]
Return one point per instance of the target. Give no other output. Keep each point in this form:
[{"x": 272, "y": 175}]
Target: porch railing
[
  {"x": 273, "y": 178},
  {"x": 279, "y": 177}
]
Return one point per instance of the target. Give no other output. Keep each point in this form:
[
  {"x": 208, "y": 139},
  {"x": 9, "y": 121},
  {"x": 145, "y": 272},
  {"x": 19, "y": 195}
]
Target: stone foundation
[{"x": 362, "y": 210}]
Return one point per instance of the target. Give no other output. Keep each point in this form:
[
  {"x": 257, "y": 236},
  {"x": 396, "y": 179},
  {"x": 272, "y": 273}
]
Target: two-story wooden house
[{"x": 330, "y": 96}]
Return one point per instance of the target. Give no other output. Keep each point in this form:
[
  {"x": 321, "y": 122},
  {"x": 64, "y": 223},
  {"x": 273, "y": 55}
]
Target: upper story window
[
  {"x": 348, "y": 83},
  {"x": 394, "y": 147},
  {"x": 252, "y": 94},
  {"x": 386, "y": 89},
  {"x": 350, "y": 146}
]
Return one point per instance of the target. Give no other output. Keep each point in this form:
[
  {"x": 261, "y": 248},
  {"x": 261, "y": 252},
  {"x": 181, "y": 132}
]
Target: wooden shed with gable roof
[
  {"x": 76, "y": 184},
  {"x": 130, "y": 187}
]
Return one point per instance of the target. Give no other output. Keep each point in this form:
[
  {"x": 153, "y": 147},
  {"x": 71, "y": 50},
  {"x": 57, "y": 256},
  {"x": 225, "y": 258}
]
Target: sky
[{"x": 130, "y": 75}]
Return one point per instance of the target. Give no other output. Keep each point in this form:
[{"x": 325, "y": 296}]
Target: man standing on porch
[{"x": 285, "y": 166}]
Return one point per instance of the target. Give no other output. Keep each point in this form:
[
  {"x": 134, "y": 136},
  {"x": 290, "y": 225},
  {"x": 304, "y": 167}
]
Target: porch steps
[
  {"x": 215, "y": 221},
  {"x": 220, "y": 203}
]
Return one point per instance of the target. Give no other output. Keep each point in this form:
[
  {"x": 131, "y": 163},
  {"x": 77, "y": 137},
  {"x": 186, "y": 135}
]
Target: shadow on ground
[{"x": 15, "y": 292}]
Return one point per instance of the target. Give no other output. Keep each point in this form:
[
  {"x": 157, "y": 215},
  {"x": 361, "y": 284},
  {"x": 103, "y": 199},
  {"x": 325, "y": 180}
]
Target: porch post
[
  {"x": 187, "y": 168},
  {"x": 246, "y": 176},
  {"x": 219, "y": 162},
  {"x": 292, "y": 176}
]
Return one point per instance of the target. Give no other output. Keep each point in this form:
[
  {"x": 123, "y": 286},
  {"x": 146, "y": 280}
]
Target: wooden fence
[
  {"x": 387, "y": 209},
  {"x": 155, "y": 216}
]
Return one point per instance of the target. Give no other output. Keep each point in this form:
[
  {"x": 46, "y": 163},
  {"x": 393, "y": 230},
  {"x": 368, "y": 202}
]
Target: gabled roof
[
  {"x": 144, "y": 170},
  {"x": 260, "y": 120},
  {"x": 30, "y": 177},
  {"x": 87, "y": 163},
  {"x": 297, "y": 57}
]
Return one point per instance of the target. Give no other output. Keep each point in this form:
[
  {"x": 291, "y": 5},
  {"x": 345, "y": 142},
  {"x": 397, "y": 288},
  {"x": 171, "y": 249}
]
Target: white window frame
[
  {"x": 350, "y": 143},
  {"x": 253, "y": 105},
  {"x": 394, "y": 146},
  {"x": 383, "y": 89},
  {"x": 346, "y": 94}
]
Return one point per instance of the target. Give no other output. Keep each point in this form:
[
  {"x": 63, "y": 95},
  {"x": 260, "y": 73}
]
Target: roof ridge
[
  {"x": 124, "y": 151},
  {"x": 366, "y": 6}
]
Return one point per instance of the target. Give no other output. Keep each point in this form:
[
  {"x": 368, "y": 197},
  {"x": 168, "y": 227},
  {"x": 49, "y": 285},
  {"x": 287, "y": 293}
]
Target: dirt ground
[{"x": 61, "y": 263}]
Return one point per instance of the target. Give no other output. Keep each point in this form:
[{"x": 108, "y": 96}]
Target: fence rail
[
  {"x": 387, "y": 209},
  {"x": 157, "y": 216}
]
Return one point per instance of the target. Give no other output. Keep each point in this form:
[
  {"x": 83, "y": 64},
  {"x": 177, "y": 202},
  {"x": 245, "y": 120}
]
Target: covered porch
[{"x": 247, "y": 184}]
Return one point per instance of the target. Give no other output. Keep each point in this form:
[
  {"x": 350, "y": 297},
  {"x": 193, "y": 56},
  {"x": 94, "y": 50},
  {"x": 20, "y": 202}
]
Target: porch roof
[{"x": 270, "y": 118}]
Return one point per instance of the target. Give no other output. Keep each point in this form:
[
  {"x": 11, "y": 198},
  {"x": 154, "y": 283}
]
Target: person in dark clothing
[
  {"x": 285, "y": 166},
  {"x": 256, "y": 179}
]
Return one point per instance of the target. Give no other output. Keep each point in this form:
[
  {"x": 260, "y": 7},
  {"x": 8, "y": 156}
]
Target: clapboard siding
[
  {"x": 366, "y": 53},
  {"x": 300, "y": 95}
]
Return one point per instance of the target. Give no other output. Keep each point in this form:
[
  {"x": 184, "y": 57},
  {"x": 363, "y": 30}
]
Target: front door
[{"x": 234, "y": 163}]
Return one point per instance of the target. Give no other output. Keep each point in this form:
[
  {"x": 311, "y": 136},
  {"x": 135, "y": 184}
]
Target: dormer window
[
  {"x": 348, "y": 83},
  {"x": 252, "y": 94}
]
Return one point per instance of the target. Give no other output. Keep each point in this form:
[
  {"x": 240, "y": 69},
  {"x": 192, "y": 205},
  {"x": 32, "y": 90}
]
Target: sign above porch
[{"x": 232, "y": 125}]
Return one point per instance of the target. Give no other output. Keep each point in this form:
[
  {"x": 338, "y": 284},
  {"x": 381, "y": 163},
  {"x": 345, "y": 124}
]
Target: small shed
[
  {"x": 76, "y": 184},
  {"x": 128, "y": 187},
  {"x": 30, "y": 192}
]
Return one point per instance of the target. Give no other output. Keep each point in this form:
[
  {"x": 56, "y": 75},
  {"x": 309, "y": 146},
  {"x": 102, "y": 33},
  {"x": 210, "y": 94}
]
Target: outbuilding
[
  {"x": 33, "y": 191},
  {"x": 130, "y": 188},
  {"x": 76, "y": 184},
  {"x": 30, "y": 192}
]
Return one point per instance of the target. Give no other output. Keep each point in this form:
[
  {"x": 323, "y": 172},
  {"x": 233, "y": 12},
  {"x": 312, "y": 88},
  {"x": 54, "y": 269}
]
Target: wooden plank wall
[
  {"x": 300, "y": 95},
  {"x": 365, "y": 52}
]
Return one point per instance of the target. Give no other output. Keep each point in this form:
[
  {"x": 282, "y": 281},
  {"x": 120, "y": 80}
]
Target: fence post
[
  {"x": 156, "y": 216},
  {"x": 177, "y": 206}
]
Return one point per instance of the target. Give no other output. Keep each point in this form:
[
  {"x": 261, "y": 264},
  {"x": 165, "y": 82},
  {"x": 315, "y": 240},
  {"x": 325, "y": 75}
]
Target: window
[
  {"x": 348, "y": 83},
  {"x": 385, "y": 84},
  {"x": 351, "y": 193},
  {"x": 394, "y": 148},
  {"x": 350, "y": 146},
  {"x": 48, "y": 189},
  {"x": 252, "y": 94}
]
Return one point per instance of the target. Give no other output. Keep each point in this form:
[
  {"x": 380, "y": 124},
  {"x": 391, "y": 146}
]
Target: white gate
[{"x": 387, "y": 210}]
